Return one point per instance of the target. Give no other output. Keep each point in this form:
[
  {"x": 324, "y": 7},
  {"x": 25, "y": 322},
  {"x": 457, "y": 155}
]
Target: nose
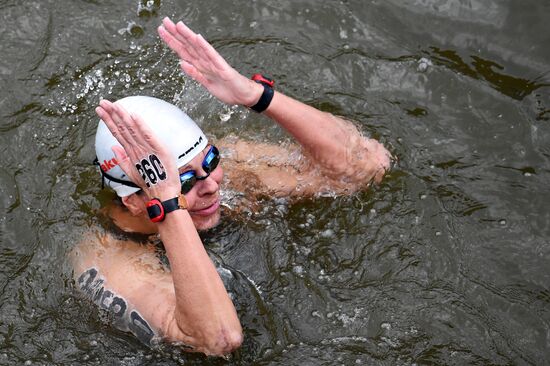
[{"x": 207, "y": 186}]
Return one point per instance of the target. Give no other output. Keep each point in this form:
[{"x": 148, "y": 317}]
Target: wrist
[
  {"x": 158, "y": 209},
  {"x": 255, "y": 93},
  {"x": 267, "y": 94},
  {"x": 163, "y": 194}
]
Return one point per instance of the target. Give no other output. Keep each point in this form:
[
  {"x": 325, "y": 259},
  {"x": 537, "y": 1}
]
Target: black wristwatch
[
  {"x": 267, "y": 95},
  {"x": 158, "y": 210}
]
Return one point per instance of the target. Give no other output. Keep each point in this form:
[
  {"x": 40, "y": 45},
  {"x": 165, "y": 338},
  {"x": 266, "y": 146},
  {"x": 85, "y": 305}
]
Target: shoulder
[
  {"x": 126, "y": 280},
  {"x": 121, "y": 312}
]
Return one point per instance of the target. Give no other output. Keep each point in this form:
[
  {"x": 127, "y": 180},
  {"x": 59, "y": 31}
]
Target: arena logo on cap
[
  {"x": 108, "y": 164},
  {"x": 191, "y": 148}
]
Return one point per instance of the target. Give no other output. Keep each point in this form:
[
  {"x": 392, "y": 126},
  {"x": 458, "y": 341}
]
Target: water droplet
[
  {"x": 423, "y": 64},
  {"x": 299, "y": 270},
  {"x": 315, "y": 314},
  {"x": 502, "y": 222},
  {"x": 327, "y": 233}
]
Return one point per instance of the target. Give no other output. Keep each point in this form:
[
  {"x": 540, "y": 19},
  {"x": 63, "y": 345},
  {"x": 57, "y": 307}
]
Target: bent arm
[
  {"x": 333, "y": 143},
  {"x": 204, "y": 316}
]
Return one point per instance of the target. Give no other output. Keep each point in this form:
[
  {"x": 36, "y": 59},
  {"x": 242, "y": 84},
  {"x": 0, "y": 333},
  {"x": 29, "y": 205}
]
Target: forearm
[
  {"x": 325, "y": 137},
  {"x": 203, "y": 308},
  {"x": 333, "y": 144}
]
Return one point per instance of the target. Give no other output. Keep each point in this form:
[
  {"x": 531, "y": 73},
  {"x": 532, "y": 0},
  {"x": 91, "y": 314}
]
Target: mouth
[{"x": 207, "y": 211}]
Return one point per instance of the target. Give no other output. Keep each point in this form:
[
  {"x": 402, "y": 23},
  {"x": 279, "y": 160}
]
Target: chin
[{"x": 203, "y": 223}]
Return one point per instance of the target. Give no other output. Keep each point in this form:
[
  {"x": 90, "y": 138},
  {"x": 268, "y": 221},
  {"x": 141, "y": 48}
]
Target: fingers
[
  {"x": 122, "y": 158},
  {"x": 174, "y": 42},
  {"x": 186, "y": 43},
  {"x": 193, "y": 72},
  {"x": 191, "y": 40},
  {"x": 105, "y": 112},
  {"x": 130, "y": 131},
  {"x": 181, "y": 43},
  {"x": 215, "y": 58},
  {"x": 135, "y": 128}
]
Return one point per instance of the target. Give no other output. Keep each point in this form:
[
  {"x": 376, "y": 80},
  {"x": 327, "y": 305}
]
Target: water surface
[{"x": 446, "y": 262}]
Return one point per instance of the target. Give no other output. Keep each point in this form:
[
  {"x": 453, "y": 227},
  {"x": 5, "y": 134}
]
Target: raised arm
[
  {"x": 333, "y": 143},
  {"x": 204, "y": 316}
]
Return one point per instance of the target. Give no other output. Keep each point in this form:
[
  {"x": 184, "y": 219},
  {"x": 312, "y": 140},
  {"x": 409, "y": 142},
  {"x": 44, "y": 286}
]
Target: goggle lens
[
  {"x": 211, "y": 160},
  {"x": 189, "y": 179}
]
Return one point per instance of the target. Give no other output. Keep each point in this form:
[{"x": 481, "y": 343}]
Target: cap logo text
[{"x": 108, "y": 164}]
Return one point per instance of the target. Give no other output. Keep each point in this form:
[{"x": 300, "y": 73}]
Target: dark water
[{"x": 447, "y": 262}]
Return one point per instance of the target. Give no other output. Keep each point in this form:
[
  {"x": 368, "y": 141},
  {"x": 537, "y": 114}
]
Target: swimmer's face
[{"x": 204, "y": 198}]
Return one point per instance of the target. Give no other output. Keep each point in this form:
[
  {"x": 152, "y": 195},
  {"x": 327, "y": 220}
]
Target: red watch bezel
[{"x": 156, "y": 202}]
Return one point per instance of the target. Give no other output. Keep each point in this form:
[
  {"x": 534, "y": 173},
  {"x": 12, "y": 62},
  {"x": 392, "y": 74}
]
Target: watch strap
[
  {"x": 157, "y": 210},
  {"x": 170, "y": 205},
  {"x": 267, "y": 94}
]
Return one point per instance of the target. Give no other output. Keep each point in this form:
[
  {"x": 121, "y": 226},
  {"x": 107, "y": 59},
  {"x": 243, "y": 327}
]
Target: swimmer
[{"x": 168, "y": 176}]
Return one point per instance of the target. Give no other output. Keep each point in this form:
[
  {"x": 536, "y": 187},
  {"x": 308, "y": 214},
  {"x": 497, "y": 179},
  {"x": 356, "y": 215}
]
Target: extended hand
[
  {"x": 143, "y": 159},
  {"x": 203, "y": 63}
]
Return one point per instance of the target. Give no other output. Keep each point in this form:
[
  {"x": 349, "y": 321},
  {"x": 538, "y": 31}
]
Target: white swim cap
[{"x": 175, "y": 129}]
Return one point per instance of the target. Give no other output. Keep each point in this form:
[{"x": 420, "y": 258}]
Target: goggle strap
[{"x": 111, "y": 178}]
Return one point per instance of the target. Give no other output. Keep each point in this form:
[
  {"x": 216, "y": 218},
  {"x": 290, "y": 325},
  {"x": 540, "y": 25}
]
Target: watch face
[{"x": 155, "y": 210}]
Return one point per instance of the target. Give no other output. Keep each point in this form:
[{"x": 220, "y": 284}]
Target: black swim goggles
[{"x": 189, "y": 178}]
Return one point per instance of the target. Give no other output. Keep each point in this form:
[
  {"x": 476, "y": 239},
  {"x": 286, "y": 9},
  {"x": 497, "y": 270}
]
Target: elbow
[
  {"x": 233, "y": 340},
  {"x": 212, "y": 340},
  {"x": 377, "y": 161},
  {"x": 227, "y": 341},
  {"x": 368, "y": 162}
]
